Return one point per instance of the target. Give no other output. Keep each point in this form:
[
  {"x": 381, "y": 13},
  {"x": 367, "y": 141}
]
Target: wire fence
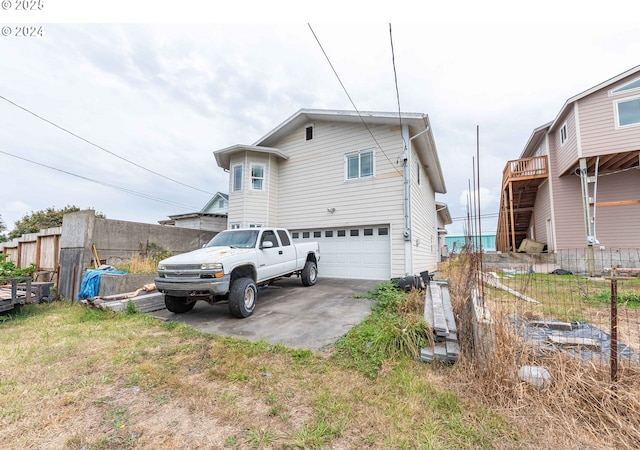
[{"x": 572, "y": 303}]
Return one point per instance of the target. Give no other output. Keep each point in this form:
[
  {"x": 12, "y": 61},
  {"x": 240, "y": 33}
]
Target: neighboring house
[
  {"x": 361, "y": 184},
  {"x": 444, "y": 219},
  {"x": 577, "y": 184},
  {"x": 213, "y": 217}
]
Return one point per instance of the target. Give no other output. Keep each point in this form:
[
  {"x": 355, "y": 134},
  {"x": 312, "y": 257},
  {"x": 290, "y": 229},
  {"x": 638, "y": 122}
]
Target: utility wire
[
  {"x": 351, "y": 100},
  {"x": 119, "y": 188},
  {"x": 102, "y": 148},
  {"x": 395, "y": 77}
]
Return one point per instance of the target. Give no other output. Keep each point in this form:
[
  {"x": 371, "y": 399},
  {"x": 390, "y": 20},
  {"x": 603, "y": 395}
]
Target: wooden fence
[{"x": 41, "y": 249}]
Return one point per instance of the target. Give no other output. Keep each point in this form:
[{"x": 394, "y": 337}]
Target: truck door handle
[{"x": 279, "y": 252}]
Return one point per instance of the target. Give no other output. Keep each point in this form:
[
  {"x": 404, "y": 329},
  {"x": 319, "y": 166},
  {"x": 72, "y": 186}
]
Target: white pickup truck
[{"x": 232, "y": 266}]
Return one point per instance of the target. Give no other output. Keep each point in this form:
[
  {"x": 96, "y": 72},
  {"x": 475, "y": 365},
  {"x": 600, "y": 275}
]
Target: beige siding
[
  {"x": 598, "y": 123},
  {"x": 541, "y": 213},
  {"x": 312, "y": 181},
  {"x": 617, "y": 225},
  {"x": 567, "y": 153},
  {"x": 423, "y": 220},
  {"x": 248, "y": 206}
]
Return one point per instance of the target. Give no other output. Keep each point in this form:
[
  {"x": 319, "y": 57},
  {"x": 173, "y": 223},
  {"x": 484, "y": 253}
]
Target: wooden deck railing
[{"x": 536, "y": 167}]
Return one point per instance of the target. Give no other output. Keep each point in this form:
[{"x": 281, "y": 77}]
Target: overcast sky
[{"x": 149, "y": 103}]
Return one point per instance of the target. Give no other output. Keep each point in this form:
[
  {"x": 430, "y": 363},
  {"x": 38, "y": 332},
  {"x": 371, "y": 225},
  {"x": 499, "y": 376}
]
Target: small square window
[
  {"x": 341, "y": 233},
  {"x": 368, "y": 232},
  {"x": 383, "y": 231},
  {"x": 305, "y": 235},
  {"x": 317, "y": 234},
  {"x": 295, "y": 235},
  {"x": 328, "y": 234},
  {"x": 354, "y": 232}
]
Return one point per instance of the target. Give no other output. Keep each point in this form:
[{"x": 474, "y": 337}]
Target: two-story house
[
  {"x": 362, "y": 184},
  {"x": 576, "y": 184}
]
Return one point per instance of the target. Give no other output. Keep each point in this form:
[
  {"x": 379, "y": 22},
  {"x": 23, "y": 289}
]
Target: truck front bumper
[{"x": 193, "y": 287}]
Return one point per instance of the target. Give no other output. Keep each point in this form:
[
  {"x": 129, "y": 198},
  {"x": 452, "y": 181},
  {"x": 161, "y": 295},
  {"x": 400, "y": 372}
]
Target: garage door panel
[{"x": 352, "y": 256}]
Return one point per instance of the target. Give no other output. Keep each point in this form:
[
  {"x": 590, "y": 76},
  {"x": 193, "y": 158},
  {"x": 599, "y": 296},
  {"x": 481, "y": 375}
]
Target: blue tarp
[{"x": 91, "y": 281}]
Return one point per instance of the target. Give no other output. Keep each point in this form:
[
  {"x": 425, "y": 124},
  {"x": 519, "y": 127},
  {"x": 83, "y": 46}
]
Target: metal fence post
[{"x": 614, "y": 323}]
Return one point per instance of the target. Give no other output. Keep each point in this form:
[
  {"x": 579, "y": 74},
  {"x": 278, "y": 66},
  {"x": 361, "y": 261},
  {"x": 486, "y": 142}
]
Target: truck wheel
[
  {"x": 309, "y": 274},
  {"x": 242, "y": 297},
  {"x": 178, "y": 305}
]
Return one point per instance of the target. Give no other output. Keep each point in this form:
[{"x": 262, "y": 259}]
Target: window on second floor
[
  {"x": 237, "y": 178},
  {"x": 359, "y": 165},
  {"x": 308, "y": 133},
  {"x": 563, "y": 134},
  {"x": 257, "y": 177},
  {"x": 628, "y": 111}
]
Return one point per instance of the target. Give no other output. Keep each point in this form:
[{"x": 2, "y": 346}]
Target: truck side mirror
[{"x": 267, "y": 244}]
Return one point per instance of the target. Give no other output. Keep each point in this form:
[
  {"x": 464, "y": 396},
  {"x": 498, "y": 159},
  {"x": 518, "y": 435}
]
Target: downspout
[{"x": 406, "y": 178}]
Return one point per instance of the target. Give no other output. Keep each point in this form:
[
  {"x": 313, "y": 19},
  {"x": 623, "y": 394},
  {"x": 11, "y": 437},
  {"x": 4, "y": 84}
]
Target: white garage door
[{"x": 352, "y": 252}]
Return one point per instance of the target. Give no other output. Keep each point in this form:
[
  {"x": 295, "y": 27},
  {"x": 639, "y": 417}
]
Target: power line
[
  {"x": 102, "y": 148},
  {"x": 395, "y": 77},
  {"x": 113, "y": 186},
  {"x": 351, "y": 100}
]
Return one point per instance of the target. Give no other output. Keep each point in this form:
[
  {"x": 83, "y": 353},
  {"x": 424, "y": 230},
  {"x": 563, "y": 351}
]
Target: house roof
[
  {"x": 419, "y": 128},
  {"x": 212, "y": 201},
  {"x": 443, "y": 211},
  {"x": 534, "y": 139},
  {"x": 590, "y": 91},
  {"x": 224, "y": 155}
]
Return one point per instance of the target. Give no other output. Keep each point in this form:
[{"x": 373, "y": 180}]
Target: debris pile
[{"x": 438, "y": 313}]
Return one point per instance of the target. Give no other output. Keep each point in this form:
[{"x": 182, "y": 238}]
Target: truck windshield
[{"x": 235, "y": 238}]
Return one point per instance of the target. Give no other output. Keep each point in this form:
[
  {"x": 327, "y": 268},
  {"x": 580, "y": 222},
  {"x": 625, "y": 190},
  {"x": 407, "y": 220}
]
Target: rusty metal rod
[{"x": 614, "y": 325}]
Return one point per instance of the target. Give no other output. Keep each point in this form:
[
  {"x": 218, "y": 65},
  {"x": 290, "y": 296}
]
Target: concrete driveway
[{"x": 287, "y": 313}]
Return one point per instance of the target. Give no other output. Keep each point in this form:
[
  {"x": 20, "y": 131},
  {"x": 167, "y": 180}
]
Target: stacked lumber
[{"x": 438, "y": 313}]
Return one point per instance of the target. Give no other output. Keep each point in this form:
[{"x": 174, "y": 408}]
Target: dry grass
[
  {"x": 79, "y": 378},
  {"x": 140, "y": 264},
  {"x": 581, "y": 408}
]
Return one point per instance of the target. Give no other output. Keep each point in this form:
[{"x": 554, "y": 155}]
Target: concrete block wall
[{"x": 116, "y": 241}]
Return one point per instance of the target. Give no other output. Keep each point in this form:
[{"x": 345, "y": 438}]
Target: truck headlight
[
  {"x": 161, "y": 267},
  {"x": 216, "y": 267}
]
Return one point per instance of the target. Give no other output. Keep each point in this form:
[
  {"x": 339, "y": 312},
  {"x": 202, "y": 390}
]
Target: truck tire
[
  {"x": 242, "y": 297},
  {"x": 178, "y": 305},
  {"x": 309, "y": 274}
]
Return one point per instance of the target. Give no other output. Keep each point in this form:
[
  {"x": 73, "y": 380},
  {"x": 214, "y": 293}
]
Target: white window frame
[
  {"x": 359, "y": 154},
  {"x": 563, "y": 134},
  {"x": 621, "y": 89},
  {"x": 234, "y": 177},
  {"x": 256, "y": 225},
  {"x": 263, "y": 178},
  {"x": 616, "y": 111},
  {"x": 234, "y": 225}
]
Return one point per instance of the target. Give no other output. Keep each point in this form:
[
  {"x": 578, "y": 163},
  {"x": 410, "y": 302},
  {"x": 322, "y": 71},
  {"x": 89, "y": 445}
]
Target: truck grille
[{"x": 181, "y": 267}]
